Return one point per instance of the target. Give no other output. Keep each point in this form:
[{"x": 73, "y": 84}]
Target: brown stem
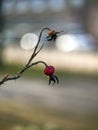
[
  {"x": 18, "y": 75},
  {"x": 35, "y": 49},
  {"x": 29, "y": 64}
]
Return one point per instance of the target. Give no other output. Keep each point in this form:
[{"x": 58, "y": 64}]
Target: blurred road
[{"x": 71, "y": 95}]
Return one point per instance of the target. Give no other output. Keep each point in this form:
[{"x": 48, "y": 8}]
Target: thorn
[{"x": 5, "y": 76}]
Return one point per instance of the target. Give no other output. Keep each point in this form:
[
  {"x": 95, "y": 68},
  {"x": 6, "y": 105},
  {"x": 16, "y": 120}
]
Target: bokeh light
[
  {"x": 29, "y": 41},
  {"x": 66, "y": 43}
]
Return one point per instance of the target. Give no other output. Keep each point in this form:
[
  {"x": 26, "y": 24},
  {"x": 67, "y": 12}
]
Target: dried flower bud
[
  {"x": 52, "y": 35},
  {"x": 51, "y": 32}
]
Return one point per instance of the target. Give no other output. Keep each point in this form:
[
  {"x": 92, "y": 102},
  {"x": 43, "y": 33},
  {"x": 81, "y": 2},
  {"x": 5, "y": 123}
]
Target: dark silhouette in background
[{"x": 1, "y": 29}]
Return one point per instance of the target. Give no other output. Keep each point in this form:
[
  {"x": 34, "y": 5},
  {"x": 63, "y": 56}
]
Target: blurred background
[{"x": 29, "y": 103}]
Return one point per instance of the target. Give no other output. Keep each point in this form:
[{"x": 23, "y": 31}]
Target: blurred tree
[
  {"x": 84, "y": 13},
  {"x": 1, "y": 29}
]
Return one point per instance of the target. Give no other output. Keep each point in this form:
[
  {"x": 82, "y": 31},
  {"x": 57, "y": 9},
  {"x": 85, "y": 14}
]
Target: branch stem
[
  {"x": 18, "y": 75},
  {"x": 29, "y": 64},
  {"x": 35, "y": 49}
]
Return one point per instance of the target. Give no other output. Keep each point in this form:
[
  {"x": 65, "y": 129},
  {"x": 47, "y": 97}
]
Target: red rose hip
[{"x": 49, "y": 70}]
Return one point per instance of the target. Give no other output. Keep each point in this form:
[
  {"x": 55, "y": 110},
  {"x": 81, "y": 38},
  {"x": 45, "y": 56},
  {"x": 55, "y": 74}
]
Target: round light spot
[
  {"x": 29, "y": 41},
  {"x": 66, "y": 43}
]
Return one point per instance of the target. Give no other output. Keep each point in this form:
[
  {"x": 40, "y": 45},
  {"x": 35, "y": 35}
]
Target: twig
[
  {"x": 29, "y": 64},
  {"x": 36, "y": 47},
  {"x": 18, "y": 75}
]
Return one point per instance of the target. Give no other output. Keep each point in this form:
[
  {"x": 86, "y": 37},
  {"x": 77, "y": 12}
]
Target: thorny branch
[{"x": 30, "y": 64}]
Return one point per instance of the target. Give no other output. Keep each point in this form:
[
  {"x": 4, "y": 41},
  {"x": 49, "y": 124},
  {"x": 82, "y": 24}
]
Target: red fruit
[{"x": 49, "y": 70}]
